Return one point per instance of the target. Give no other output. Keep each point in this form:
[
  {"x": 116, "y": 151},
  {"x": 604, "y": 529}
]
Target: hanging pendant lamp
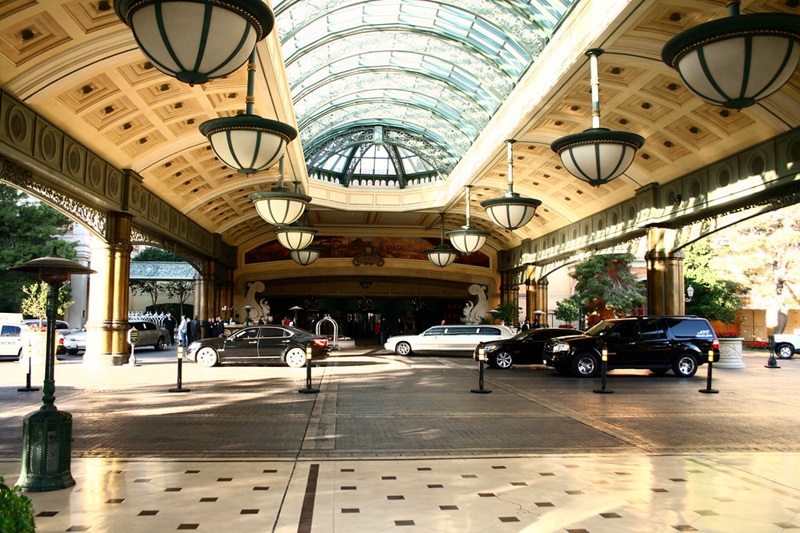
[
  {"x": 196, "y": 40},
  {"x": 306, "y": 256},
  {"x": 735, "y": 61},
  {"x": 467, "y": 240},
  {"x": 248, "y": 143},
  {"x": 441, "y": 256},
  {"x": 280, "y": 206},
  {"x": 295, "y": 236},
  {"x": 511, "y": 210},
  {"x": 597, "y": 155}
]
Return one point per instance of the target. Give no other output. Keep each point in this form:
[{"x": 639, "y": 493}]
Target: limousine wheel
[
  {"x": 402, "y": 348},
  {"x": 295, "y": 358},
  {"x": 503, "y": 360},
  {"x": 206, "y": 357}
]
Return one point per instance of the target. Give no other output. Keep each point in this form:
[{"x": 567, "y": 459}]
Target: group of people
[{"x": 189, "y": 331}]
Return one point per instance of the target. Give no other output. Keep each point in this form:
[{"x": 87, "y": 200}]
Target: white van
[{"x": 12, "y": 334}]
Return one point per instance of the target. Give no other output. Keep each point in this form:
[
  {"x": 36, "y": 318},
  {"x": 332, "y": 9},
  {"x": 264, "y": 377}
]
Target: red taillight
[
  {"x": 60, "y": 340},
  {"x": 321, "y": 342},
  {"x": 715, "y": 344}
]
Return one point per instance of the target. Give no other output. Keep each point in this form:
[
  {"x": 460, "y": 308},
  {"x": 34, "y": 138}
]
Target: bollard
[
  {"x": 708, "y": 389},
  {"x": 308, "y": 389},
  {"x": 603, "y": 371},
  {"x": 179, "y": 387},
  {"x": 481, "y": 360},
  {"x": 27, "y": 387},
  {"x": 771, "y": 362}
]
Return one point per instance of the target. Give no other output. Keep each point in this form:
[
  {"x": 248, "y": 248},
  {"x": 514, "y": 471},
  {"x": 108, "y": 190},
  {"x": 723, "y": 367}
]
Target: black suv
[{"x": 657, "y": 343}]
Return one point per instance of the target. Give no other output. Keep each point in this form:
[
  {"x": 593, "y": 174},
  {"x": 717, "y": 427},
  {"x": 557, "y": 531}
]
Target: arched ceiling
[{"x": 448, "y": 81}]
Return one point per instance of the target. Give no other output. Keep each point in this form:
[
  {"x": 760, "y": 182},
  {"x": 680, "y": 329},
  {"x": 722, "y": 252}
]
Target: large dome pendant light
[
  {"x": 735, "y": 61},
  {"x": 597, "y": 155},
  {"x": 467, "y": 240},
  {"x": 196, "y": 40},
  {"x": 511, "y": 210},
  {"x": 441, "y": 256},
  {"x": 306, "y": 256},
  {"x": 295, "y": 236},
  {"x": 280, "y": 206},
  {"x": 248, "y": 143}
]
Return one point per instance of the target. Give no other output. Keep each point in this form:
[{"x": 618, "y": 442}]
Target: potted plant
[{"x": 16, "y": 510}]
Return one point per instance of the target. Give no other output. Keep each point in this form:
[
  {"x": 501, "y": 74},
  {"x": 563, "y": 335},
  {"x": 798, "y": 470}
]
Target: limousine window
[
  {"x": 435, "y": 331},
  {"x": 489, "y": 331},
  {"x": 460, "y": 331}
]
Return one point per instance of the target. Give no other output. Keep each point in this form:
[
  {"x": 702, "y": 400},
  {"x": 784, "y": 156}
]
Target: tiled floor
[
  {"x": 400, "y": 444},
  {"x": 587, "y": 493}
]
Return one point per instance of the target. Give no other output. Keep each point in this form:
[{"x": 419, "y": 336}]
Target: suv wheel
[
  {"x": 685, "y": 365},
  {"x": 784, "y": 351},
  {"x": 159, "y": 344},
  {"x": 503, "y": 360},
  {"x": 584, "y": 365}
]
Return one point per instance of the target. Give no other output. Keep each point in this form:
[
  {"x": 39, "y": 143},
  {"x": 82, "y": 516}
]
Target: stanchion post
[
  {"x": 481, "y": 361},
  {"x": 708, "y": 389},
  {"x": 308, "y": 389},
  {"x": 603, "y": 371},
  {"x": 771, "y": 362},
  {"x": 179, "y": 387},
  {"x": 27, "y": 387}
]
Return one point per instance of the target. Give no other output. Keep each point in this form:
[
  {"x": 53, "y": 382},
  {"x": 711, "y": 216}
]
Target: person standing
[
  {"x": 194, "y": 329},
  {"x": 169, "y": 325},
  {"x": 183, "y": 331}
]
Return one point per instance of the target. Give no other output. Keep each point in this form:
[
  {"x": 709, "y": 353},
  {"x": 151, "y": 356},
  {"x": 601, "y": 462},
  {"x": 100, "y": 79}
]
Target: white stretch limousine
[{"x": 456, "y": 338}]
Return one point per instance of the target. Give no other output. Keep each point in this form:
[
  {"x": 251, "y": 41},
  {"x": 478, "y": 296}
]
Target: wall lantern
[
  {"x": 248, "y": 143},
  {"x": 735, "y": 61},
  {"x": 466, "y": 239},
  {"x": 511, "y": 210},
  {"x": 306, "y": 256},
  {"x": 196, "y": 40},
  {"x": 441, "y": 256},
  {"x": 280, "y": 206},
  {"x": 597, "y": 155}
]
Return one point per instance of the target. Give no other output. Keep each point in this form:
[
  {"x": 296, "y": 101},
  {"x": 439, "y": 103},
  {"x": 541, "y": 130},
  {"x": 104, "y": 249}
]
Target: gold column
[
  {"x": 109, "y": 296},
  {"x": 664, "y": 274},
  {"x": 541, "y": 300}
]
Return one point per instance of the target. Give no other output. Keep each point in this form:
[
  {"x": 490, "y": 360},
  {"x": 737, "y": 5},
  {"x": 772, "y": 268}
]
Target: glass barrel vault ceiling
[{"x": 393, "y": 92}]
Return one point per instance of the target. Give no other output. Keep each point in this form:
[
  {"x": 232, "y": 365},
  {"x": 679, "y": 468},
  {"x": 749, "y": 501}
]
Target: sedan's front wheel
[
  {"x": 503, "y": 360},
  {"x": 296, "y": 358},
  {"x": 207, "y": 357}
]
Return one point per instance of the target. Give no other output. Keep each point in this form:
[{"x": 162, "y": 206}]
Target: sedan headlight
[
  {"x": 559, "y": 347},
  {"x": 490, "y": 347},
  {"x": 193, "y": 347}
]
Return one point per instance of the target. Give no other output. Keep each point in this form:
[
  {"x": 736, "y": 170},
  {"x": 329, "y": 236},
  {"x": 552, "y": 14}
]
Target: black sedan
[
  {"x": 260, "y": 344},
  {"x": 523, "y": 348}
]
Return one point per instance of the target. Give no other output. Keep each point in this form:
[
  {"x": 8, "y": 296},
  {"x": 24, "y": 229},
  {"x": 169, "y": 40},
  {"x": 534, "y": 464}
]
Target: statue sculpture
[
  {"x": 260, "y": 308},
  {"x": 474, "y": 313}
]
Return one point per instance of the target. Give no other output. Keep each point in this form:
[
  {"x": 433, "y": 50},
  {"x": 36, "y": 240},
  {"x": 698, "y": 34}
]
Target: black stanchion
[
  {"x": 481, "y": 360},
  {"x": 603, "y": 371},
  {"x": 771, "y": 362},
  {"x": 708, "y": 389},
  {"x": 179, "y": 387},
  {"x": 309, "y": 389},
  {"x": 27, "y": 387}
]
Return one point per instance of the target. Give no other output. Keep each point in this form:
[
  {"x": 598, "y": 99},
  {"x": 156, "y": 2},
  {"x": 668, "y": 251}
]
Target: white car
[
  {"x": 447, "y": 339},
  {"x": 786, "y": 345}
]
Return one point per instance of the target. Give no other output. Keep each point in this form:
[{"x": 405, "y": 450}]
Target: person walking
[{"x": 169, "y": 325}]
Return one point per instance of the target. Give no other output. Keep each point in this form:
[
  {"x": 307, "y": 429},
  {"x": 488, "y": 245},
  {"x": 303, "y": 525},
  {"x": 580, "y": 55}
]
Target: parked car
[
  {"x": 75, "y": 342},
  {"x": 447, "y": 339},
  {"x": 657, "y": 343},
  {"x": 525, "y": 347},
  {"x": 150, "y": 334},
  {"x": 11, "y": 339},
  {"x": 786, "y": 344},
  {"x": 260, "y": 344},
  {"x": 61, "y": 326}
]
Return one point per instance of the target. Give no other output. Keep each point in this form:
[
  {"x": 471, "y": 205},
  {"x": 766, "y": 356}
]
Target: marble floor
[{"x": 736, "y": 492}]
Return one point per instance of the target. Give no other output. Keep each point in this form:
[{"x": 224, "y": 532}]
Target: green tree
[
  {"x": 28, "y": 229},
  {"x": 180, "y": 290},
  {"x": 569, "y": 310},
  {"x": 508, "y": 312},
  {"x": 605, "y": 282},
  {"x": 714, "y": 298},
  {"x": 155, "y": 288},
  {"x": 157, "y": 254},
  {"x": 35, "y": 303}
]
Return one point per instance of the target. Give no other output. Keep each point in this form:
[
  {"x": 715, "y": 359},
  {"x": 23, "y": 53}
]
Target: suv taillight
[{"x": 715, "y": 344}]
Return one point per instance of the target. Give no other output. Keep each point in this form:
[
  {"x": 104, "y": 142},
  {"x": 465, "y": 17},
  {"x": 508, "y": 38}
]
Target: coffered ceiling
[{"x": 78, "y": 65}]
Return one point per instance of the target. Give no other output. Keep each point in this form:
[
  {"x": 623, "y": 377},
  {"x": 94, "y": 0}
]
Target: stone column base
[{"x": 105, "y": 359}]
